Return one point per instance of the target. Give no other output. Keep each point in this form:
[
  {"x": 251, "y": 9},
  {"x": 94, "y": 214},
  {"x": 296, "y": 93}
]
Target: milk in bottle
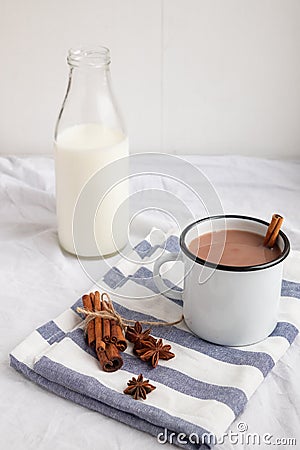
[{"x": 91, "y": 147}]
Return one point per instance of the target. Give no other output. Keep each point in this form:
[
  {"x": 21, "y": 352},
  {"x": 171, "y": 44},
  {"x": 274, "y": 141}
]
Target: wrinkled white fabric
[{"x": 31, "y": 259}]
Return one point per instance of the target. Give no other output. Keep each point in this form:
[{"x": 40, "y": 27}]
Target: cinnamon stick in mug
[{"x": 273, "y": 231}]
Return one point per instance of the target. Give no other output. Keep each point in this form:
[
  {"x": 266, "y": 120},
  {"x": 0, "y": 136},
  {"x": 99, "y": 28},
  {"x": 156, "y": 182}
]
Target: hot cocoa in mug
[
  {"x": 233, "y": 248},
  {"x": 232, "y": 282}
]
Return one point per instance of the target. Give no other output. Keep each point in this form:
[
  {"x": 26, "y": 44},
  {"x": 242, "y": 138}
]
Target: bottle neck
[
  {"x": 90, "y": 80},
  {"x": 89, "y": 97},
  {"x": 89, "y": 70}
]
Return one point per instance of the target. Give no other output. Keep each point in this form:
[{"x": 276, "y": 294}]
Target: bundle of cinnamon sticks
[{"x": 105, "y": 335}]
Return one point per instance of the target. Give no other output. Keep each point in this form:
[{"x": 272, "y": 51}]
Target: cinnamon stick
[
  {"x": 87, "y": 303},
  {"x": 273, "y": 231},
  {"x": 92, "y": 297},
  {"x": 105, "y": 363},
  {"x": 106, "y": 333},
  {"x": 117, "y": 336},
  {"x": 100, "y": 344},
  {"x": 114, "y": 356}
]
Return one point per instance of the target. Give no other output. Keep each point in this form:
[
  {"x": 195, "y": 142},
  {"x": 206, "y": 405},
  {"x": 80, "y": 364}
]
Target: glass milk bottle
[{"x": 91, "y": 169}]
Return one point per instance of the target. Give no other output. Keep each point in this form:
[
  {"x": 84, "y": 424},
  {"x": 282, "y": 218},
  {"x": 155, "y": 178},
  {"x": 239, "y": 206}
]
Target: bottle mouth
[{"x": 88, "y": 56}]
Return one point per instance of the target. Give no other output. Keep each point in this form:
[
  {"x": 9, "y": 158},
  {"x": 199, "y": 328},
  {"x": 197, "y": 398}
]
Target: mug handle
[{"x": 163, "y": 288}]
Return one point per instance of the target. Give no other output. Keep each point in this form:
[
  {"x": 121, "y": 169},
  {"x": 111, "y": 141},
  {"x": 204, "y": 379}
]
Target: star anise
[
  {"x": 138, "y": 387},
  {"x": 153, "y": 351},
  {"x": 135, "y": 334}
]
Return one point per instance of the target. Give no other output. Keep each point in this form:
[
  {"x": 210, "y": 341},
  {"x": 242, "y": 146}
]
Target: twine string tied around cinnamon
[{"x": 110, "y": 313}]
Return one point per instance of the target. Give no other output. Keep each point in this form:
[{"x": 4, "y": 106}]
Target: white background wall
[{"x": 192, "y": 76}]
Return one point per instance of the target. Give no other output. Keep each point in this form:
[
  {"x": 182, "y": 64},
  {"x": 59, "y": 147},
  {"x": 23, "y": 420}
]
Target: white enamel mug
[{"x": 227, "y": 305}]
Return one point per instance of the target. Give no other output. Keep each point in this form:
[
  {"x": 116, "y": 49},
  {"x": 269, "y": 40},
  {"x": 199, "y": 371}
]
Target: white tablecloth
[{"x": 38, "y": 281}]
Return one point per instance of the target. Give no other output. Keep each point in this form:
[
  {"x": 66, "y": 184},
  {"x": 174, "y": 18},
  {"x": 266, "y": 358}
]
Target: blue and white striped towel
[{"x": 199, "y": 392}]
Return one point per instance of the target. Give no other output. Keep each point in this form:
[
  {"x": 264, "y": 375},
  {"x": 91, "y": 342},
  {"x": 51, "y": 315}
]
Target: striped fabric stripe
[
  {"x": 200, "y": 391},
  {"x": 290, "y": 289},
  {"x": 232, "y": 397},
  {"x": 166, "y": 405},
  {"x": 88, "y": 402}
]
